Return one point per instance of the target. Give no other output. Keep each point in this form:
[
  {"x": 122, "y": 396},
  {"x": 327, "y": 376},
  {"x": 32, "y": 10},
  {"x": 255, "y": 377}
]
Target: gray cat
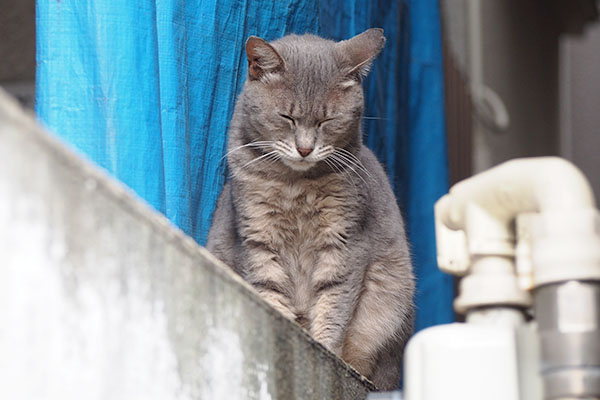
[{"x": 308, "y": 216}]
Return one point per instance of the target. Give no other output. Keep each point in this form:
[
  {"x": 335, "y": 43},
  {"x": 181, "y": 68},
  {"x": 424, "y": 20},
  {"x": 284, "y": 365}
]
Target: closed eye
[
  {"x": 323, "y": 121},
  {"x": 285, "y": 116}
]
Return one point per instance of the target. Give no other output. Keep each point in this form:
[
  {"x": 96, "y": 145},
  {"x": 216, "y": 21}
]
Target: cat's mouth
[
  {"x": 298, "y": 165},
  {"x": 290, "y": 156}
]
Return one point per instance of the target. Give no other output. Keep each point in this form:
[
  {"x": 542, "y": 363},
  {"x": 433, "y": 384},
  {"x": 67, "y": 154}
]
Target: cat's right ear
[{"x": 262, "y": 58}]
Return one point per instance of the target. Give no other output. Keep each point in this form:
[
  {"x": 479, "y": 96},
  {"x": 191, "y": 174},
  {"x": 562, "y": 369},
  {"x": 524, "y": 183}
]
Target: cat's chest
[{"x": 302, "y": 216}]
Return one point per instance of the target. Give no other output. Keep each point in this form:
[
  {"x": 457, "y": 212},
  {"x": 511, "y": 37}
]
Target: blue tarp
[{"x": 146, "y": 90}]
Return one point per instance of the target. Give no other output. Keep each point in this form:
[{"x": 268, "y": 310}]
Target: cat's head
[{"x": 303, "y": 97}]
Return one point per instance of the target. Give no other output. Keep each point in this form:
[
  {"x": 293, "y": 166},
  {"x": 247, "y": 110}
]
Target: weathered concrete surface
[{"x": 101, "y": 298}]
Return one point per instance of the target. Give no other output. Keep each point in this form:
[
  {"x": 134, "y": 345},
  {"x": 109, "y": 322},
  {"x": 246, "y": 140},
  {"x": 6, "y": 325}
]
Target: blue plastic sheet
[{"x": 146, "y": 90}]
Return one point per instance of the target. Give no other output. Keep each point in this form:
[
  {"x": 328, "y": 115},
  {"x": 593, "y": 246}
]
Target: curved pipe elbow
[{"x": 545, "y": 184}]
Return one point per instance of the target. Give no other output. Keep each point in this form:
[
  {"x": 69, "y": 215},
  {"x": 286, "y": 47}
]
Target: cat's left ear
[
  {"x": 362, "y": 49},
  {"x": 262, "y": 58}
]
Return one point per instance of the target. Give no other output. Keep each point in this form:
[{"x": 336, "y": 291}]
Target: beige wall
[
  {"x": 549, "y": 81},
  {"x": 580, "y": 102},
  {"x": 519, "y": 48}
]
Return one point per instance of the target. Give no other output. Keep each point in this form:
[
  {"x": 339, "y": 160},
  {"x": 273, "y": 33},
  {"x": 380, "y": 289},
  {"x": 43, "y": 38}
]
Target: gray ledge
[{"x": 102, "y": 298}]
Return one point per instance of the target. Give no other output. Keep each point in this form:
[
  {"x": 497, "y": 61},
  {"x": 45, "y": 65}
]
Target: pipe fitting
[
  {"x": 476, "y": 221},
  {"x": 548, "y": 203}
]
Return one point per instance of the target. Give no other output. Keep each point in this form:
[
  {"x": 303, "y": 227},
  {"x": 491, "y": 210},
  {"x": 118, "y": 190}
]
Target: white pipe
[
  {"x": 552, "y": 205},
  {"x": 496, "y": 316},
  {"x": 545, "y": 184},
  {"x": 485, "y": 208}
]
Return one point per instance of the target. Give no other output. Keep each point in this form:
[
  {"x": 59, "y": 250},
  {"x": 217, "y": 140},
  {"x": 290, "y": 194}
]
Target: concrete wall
[{"x": 101, "y": 298}]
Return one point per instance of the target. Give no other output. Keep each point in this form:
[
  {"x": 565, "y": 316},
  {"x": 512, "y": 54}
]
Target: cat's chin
[{"x": 298, "y": 165}]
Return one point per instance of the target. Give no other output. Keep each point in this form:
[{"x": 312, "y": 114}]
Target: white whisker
[
  {"x": 351, "y": 158},
  {"x": 353, "y": 164},
  {"x": 333, "y": 165},
  {"x": 258, "y": 159},
  {"x": 345, "y": 163},
  {"x": 273, "y": 159},
  {"x": 374, "y": 118},
  {"x": 258, "y": 144}
]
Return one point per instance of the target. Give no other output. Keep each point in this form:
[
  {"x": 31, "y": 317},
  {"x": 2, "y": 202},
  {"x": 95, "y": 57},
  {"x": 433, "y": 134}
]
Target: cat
[{"x": 308, "y": 216}]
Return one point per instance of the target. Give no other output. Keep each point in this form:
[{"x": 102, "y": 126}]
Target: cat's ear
[
  {"x": 362, "y": 49},
  {"x": 262, "y": 58}
]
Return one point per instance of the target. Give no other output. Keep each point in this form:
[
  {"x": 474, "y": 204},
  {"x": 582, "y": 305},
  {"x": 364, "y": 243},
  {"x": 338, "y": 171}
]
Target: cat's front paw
[
  {"x": 329, "y": 342},
  {"x": 275, "y": 300}
]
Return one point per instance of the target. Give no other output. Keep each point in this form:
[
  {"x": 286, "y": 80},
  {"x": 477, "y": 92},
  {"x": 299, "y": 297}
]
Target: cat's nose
[{"x": 304, "y": 151}]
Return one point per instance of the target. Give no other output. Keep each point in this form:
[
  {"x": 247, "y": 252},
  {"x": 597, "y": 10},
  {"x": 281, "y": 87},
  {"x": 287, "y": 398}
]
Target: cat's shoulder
[{"x": 370, "y": 161}]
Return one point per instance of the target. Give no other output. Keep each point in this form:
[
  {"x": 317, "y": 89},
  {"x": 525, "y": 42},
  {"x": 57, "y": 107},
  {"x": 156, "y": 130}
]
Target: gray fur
[{"x": 320, "y": 237}]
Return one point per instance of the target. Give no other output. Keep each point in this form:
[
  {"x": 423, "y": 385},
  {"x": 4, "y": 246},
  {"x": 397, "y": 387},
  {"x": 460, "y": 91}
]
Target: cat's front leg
[
  {"x": 264, "y": 272},
  {"x": 383, "y": 314},
  {"x": 334, "y": 300}
]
